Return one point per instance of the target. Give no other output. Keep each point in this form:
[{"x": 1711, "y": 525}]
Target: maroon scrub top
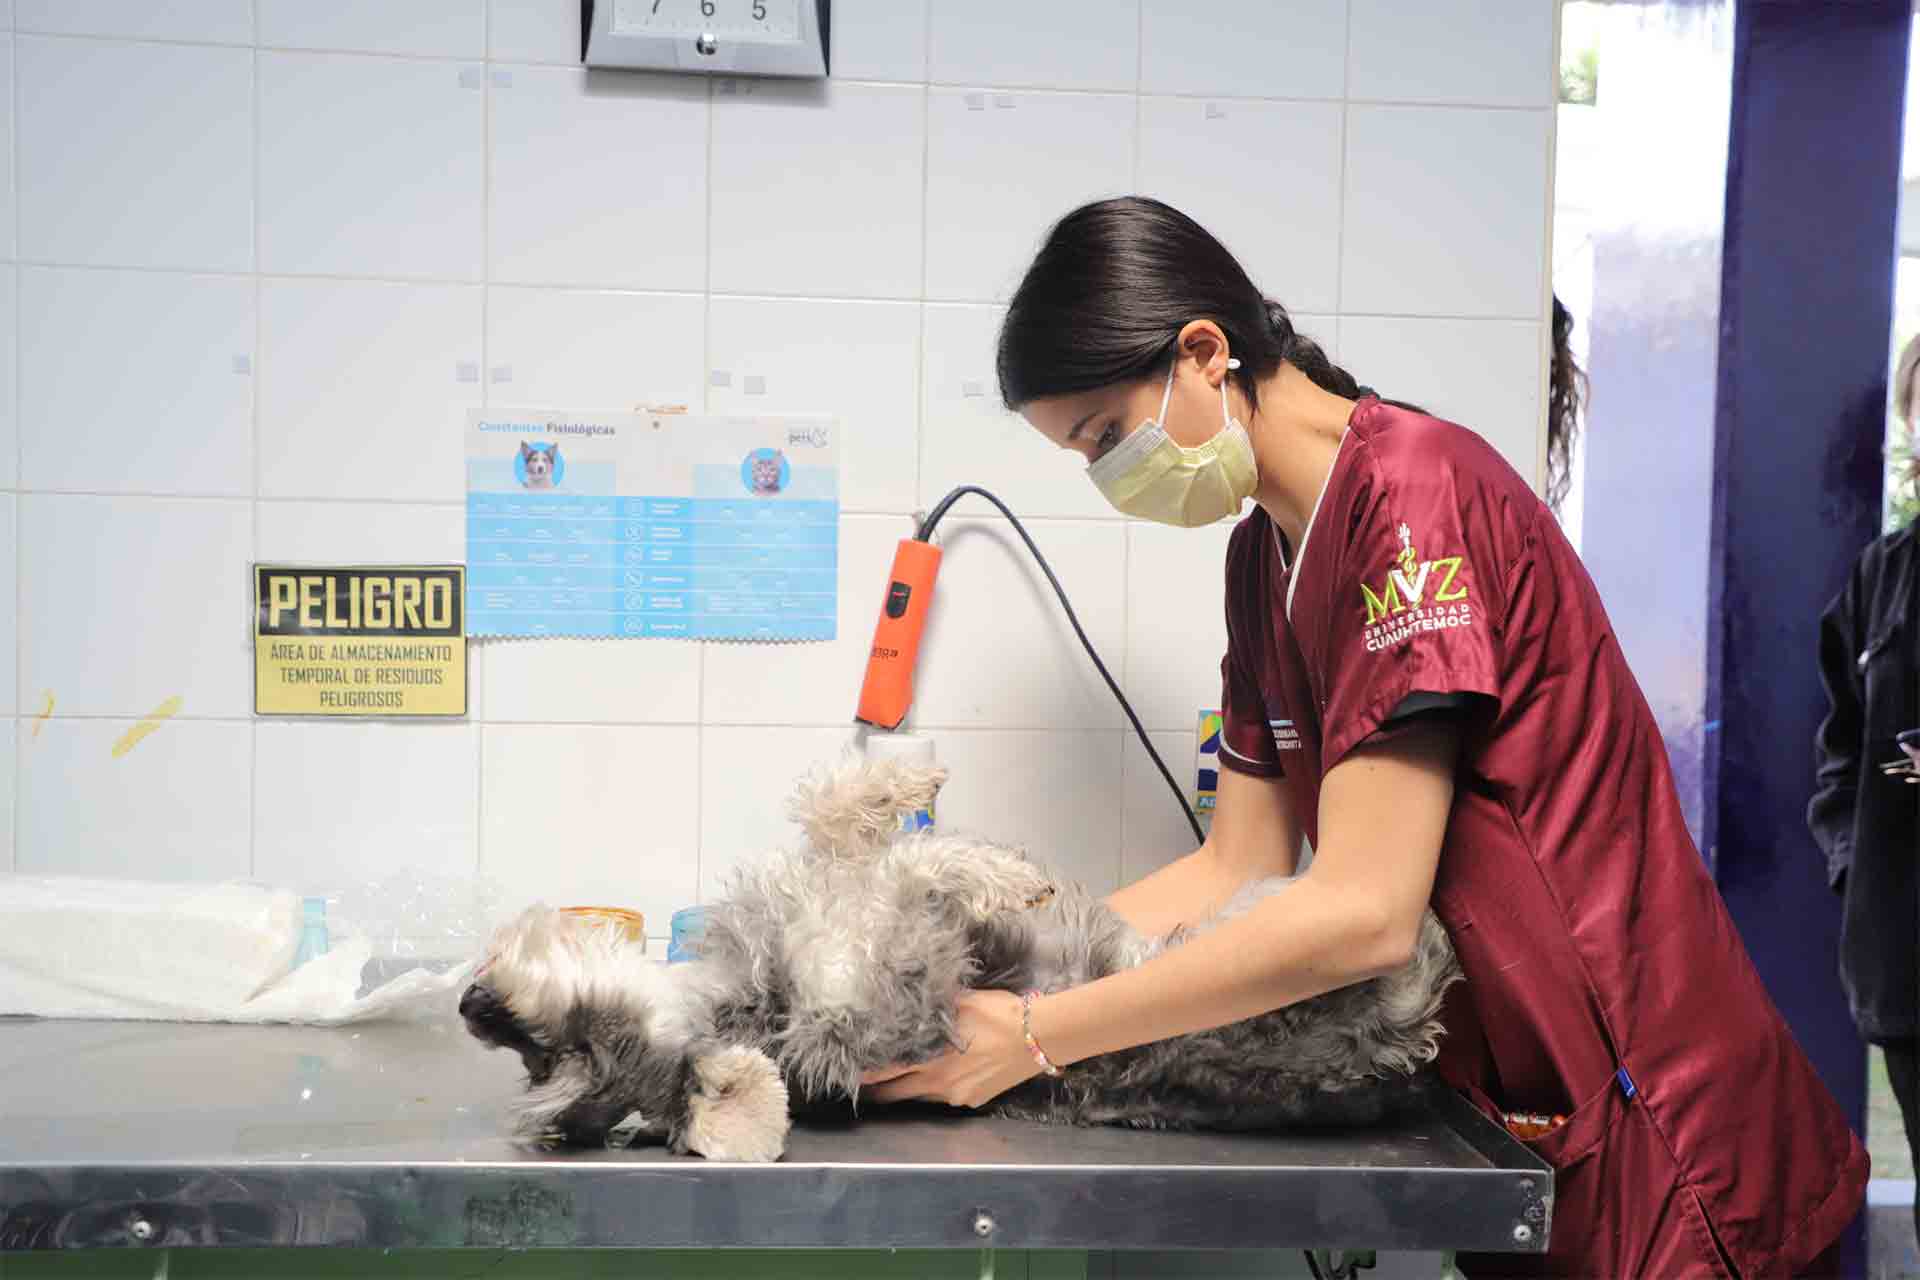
[{"x": 1605, "y": 980}]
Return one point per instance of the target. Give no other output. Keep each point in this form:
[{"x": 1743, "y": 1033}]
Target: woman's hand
[{"x": 992, "y": 1058}]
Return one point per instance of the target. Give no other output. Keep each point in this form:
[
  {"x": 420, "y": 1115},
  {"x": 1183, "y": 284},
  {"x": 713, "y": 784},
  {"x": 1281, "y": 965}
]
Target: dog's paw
[
  {"x": 738, "y": 1108},
  {"x": 914, "y": 786},
  {"x": 852, "y": 808}
]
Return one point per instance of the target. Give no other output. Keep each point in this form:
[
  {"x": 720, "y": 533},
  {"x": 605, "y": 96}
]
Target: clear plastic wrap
[
  {"x": 81, "y": 948},
  {"x": 414, "y": 921},
  {"x": 73, "y": 947}
]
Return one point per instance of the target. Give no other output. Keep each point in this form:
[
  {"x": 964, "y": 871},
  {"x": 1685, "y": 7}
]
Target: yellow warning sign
[{"x": 359, "y": 640}]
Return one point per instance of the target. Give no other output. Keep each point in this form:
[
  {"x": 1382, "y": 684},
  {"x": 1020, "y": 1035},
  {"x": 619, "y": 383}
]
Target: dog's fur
[
  {"x": 847, "y": 955},
  {"x": 539, "y": 463}
]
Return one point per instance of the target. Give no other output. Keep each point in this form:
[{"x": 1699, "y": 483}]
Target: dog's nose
[{"x": 473, "y": 1000}]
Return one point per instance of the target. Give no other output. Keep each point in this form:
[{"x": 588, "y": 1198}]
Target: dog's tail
[{"x": 853, "y": 807}]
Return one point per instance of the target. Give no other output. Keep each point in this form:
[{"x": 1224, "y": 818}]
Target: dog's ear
[
  {"x": 491, "y": 1021},
  {"x": 736, "y": 1106},
  {"x": 526, "y": 450},
  {"x": 573, "y": 1105},
  {"x": 605, "y": 1075}
]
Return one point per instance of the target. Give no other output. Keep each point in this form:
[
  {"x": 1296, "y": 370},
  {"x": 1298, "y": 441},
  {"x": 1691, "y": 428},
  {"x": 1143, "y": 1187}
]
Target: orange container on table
[{"x": 631, "y": 924}]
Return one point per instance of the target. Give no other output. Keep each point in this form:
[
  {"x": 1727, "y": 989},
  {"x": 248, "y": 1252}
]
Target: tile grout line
[
  {"x": 1139, "y": 88},
  {"x": 1126, "y": 681},
  {"x": 810, "y": 725},
  {"x": 143, "y": 495},
  {"x": 867, "y": 81},
  {"x": 1035, "y": 89},
  {"x": 1545, "y": 345},
  {"x": 921, "y": 390},
  {"x": 706, "y": 404},
  {"x": 19, "y": 456},
  {"x": 476, "y": 662},
  {"x": 1340, "y": 224},
  {"x": 977, "y": 303},
  {"x": 984, "y": 516},
  {"x": 699, "y": 774},
  {"x": 991, "y": 304},
  {"x": 1135, "y": 160},
  {"x": 919, "y": 415},
  {"x": 253, "y": 389}
]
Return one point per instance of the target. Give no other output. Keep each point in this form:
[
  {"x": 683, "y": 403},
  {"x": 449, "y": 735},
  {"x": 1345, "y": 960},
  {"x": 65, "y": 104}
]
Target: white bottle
[{"x": 916, "y": 748}]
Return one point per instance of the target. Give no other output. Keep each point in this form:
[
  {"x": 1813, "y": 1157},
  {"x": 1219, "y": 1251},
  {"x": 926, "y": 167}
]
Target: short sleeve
[
  {"x": 1246, "y": 742},
  {"x": 1416, "y": 600}
]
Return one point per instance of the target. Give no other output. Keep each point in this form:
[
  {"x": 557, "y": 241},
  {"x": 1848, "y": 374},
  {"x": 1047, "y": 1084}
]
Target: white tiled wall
[{"x": 263, "y": 252}]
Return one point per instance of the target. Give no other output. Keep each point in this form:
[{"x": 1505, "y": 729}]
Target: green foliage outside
[
  {"x": 1580, "y": 76},
  {"x": 1903, "y": 490}
]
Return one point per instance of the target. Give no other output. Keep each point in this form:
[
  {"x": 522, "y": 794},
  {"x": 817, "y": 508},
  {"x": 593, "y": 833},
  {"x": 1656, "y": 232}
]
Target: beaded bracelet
[{"x": 1026, "y": 1033}]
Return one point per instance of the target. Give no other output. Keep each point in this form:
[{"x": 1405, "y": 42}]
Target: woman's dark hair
[
  {"x": 1109, "y": 292},
  {"x": 1566, "y": 397}
]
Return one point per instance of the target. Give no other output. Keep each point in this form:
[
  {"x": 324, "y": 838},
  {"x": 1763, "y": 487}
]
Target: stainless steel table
[{"x": 171, "y": 1136}]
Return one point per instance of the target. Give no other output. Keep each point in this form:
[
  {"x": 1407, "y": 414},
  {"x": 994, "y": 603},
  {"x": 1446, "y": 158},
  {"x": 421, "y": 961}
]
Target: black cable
[
  {"x": 1313, "y": 1265},
  {"x": 926, "y": 534}
]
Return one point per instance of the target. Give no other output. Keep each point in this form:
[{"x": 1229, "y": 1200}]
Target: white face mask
[{"x": 1152, "y": 476}]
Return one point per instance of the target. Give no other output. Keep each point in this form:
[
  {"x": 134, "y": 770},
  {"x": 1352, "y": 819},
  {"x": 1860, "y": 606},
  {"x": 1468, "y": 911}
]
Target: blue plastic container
[
  {"x": 313, "y": 931},
  {"x": 687, "y": 926}
]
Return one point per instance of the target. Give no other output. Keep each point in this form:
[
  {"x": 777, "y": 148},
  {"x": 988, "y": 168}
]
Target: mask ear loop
[{"x": 1166, "y": 397}]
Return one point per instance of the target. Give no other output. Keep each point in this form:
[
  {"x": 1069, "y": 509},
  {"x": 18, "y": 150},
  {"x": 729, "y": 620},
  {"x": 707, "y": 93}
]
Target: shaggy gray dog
[{"x": 848, "y": 954}]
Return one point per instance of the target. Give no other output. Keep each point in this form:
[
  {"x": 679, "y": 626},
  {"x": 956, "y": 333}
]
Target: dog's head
[
  {"x": 538, "y": 462},
  {"x": 614, "y": 1048}
]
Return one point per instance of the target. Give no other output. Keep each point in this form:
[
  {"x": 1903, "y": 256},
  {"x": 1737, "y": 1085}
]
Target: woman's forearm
[
  {"x": 1309, "y": 939},
  {"x": 1185, "y": 891},
  {"x": 1254, "y": 835}
]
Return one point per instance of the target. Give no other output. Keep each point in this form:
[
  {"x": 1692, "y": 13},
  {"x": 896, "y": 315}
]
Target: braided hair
[{"x": 1566, "y": 397}]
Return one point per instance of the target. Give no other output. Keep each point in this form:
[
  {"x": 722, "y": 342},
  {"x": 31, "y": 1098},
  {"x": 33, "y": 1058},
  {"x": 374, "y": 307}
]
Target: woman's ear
[{"x": 1205, "y": 343}]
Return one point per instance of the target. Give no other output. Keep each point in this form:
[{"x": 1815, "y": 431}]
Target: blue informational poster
[
  {"x": 651, "y": 524},
  {"x": 1206, "y": 768}
]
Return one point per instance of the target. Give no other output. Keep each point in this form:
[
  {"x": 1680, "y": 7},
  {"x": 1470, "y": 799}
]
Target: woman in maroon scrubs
[{"x": 1421, "y": 680}]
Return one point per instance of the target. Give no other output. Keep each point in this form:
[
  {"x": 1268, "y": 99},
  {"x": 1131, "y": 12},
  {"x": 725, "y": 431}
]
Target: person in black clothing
[{"x": 1865, "y": 818}]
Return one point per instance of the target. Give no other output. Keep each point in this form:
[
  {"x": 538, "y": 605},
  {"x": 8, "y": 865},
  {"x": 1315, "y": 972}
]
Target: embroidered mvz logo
[{"x": 1418, "y": 595}]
